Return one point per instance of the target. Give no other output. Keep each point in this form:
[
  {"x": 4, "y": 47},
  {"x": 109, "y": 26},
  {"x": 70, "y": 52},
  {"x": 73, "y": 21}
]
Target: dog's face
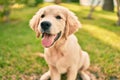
[{"x": 54, "y": 23}]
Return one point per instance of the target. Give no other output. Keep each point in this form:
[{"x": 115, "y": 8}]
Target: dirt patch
[
  {"x": 96, "y": 72},
  {"x": 22, "y": 77},
  {"x": 32, "y": 77}
]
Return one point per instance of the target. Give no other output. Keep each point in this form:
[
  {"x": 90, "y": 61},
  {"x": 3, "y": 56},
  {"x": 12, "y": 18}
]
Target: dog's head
[{"x": 54, "y": 23}]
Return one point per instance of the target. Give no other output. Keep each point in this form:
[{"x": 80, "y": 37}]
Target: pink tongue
[{"x": 48, "y": 40}]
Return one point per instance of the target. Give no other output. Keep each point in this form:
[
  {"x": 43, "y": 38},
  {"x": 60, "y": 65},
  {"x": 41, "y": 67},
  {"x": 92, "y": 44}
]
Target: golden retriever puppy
[{"x": 62, "y": 52}]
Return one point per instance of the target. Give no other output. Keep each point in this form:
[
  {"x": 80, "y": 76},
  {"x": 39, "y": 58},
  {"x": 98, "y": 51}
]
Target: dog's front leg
[
  {"x": 55, "y": 75},
  {"x": 72, "y": 73}
]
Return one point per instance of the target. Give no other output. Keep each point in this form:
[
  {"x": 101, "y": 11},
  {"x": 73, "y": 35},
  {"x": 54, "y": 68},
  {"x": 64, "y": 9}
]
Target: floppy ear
[
  {"x": 34, "y": 22},
  {"x": 72, "y": 24}
]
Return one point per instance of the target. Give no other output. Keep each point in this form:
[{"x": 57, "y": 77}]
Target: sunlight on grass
[
  {"x": 104, "y": 35},
  {"x": 108, "y": 17},
  {"x": 72, "y": 7},
  {"x": 98, "y": 8},
  {"x": 45, "y": 4},
  {"x": 17, "y": 6}
]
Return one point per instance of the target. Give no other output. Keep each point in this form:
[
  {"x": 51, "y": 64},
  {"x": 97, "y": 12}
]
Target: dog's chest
[{"x": 52, "y": 57}]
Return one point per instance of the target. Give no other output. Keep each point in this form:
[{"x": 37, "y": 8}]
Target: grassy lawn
[{"x": 19, "y": 46}]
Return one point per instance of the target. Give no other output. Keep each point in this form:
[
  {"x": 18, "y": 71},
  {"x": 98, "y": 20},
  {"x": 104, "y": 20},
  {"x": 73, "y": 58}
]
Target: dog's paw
[{"x": 45, "y": 76}]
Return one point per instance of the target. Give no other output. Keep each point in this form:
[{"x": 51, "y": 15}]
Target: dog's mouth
[{"x": 49, "y": 39}]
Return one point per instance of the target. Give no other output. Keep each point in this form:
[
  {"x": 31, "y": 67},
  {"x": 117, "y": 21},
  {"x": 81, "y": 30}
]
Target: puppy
[{"x": 62, "y": 52}]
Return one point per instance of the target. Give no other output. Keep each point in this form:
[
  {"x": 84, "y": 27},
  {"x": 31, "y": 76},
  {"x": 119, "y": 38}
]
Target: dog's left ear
[{"x": 72, "y": 24}]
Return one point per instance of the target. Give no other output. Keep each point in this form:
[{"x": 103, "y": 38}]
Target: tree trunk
[
  {"x": 6, "y": 16},
  {"x": 4, "y": 13},
  {"x": 93, "y": 8},
  {"x": 118, "y": 12},
  {"x": 58, "y": 1},
  {"x": 108, "y": 5}
]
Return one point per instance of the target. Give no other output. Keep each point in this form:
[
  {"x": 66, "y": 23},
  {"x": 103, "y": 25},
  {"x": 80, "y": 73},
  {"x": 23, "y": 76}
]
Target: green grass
[{"x": 100, "y": 37}]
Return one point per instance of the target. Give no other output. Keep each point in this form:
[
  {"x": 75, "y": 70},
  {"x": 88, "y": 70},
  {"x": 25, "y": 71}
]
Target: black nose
[{"x": 45, "y": 25}]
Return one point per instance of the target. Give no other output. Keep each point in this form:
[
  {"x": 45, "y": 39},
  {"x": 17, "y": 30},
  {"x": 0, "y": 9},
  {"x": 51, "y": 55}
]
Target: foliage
[
  {"x": 70, "y": 0},
  {"x": 38, "y": 1},
  {"x": 19, "y": 47},
  {"x": 4, "y": 8},
  {"x": 75, "y": 0},
  {"x": 22, "y": 1}
]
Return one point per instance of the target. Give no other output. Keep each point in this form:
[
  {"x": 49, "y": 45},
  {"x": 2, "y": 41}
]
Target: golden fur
[{"x": 65, "y": 55}]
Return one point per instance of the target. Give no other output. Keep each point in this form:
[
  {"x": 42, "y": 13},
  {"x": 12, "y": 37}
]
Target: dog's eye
[
  {"x": 42, "y": 16},
  {"x": 58, "y": 17}
]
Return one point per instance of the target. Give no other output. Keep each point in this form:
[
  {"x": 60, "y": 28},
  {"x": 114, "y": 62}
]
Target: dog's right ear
[{"x": 34, "y": 22}]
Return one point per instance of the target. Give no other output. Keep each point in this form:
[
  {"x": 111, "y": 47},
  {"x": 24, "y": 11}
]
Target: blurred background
[{"x": 99, "y": 36}]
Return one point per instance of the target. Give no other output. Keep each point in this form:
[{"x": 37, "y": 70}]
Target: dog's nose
[{"x": 45, "y": 25}]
